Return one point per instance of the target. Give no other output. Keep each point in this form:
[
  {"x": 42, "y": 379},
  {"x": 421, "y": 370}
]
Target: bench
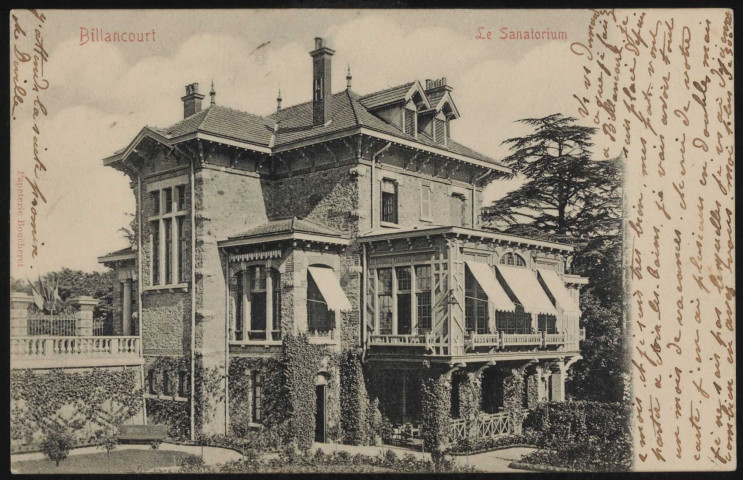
[{"x": 143, "y": 433}]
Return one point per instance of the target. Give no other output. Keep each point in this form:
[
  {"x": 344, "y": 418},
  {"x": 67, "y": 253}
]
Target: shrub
[
  {"x": 57, "y": 445},
  {"x": 582, "y": 435},
  {"x": 435, "y": 409},
  {"x": 107, "y": 440}
]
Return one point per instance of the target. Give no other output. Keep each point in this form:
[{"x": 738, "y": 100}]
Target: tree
[
  {"x": 57, "y": 445},
  {"x": 564, "y": 193},
  {"x": 570, "y": 198}
]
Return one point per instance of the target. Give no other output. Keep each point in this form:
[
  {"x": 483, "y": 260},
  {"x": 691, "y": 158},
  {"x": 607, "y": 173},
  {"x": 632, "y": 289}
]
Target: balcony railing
[
  {"x": 499, "y": 340},
  {"x": 262, "y": 337},
  {"x": 74, "y": 351}
]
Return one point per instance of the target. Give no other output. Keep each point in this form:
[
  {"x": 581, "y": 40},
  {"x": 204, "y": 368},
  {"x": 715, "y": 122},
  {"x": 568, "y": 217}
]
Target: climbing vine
[
  {"x": 354, "y": 401},
  {"x": 168, "y": 411},
  {"x": 300, "y": 362},
  {"x": 513, "y": 394},
  {"x": 435, "y": 409},
  {"x": 85, "y": 403}
]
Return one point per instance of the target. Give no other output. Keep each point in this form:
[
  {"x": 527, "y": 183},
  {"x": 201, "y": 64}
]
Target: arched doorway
[{"x": 321, "y": 396}]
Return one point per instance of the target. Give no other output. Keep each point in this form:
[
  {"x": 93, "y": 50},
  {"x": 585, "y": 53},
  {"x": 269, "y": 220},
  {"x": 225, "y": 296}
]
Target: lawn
[{"x": 120, "y": 461}]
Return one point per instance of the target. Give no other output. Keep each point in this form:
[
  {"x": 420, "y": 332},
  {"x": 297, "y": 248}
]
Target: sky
[{"x": 100, "y": 95}]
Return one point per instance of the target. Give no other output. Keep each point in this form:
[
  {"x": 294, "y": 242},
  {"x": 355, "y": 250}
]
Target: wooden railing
[
  {"x": 405, "y": 340},
  {"x": 486, "y": 425},
  {"x": 66, "y": 348}
]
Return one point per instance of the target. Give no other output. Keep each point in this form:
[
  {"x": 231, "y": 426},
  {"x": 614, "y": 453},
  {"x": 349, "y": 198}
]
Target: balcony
[
  {"x": 477, "y": 342},
  {"x": 79, "y": 351}
]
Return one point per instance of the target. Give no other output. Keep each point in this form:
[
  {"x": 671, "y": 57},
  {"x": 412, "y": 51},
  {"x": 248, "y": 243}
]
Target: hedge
[{"x": 581, "y": 435}]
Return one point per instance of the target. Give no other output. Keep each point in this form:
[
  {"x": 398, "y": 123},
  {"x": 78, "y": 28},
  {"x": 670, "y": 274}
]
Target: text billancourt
[
  {"x": 96, "y": 34},
  {"x": 531, "y": 34}
]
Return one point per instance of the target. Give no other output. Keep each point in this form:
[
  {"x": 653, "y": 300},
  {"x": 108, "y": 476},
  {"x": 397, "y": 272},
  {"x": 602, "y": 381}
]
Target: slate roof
[
  {"x": 348, "y": 111},
  {"x": 225, "y": 122},
  {"x": 287, "y": 225},
  {"x": 116, "y": 255}
]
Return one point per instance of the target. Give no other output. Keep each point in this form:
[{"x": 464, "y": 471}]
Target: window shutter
[{"x": 425, "y": 202}]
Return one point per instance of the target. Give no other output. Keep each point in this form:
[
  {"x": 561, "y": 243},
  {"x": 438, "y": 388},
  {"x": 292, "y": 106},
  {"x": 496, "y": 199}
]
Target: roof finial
[
  {"x": 213, "y": 95},
  {"x": 278, "y": 101},
  {"x": 348, "y": 78}
]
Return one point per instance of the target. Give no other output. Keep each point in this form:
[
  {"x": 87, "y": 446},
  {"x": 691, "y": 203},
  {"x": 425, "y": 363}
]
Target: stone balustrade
[{"x": 77, "y": 351}]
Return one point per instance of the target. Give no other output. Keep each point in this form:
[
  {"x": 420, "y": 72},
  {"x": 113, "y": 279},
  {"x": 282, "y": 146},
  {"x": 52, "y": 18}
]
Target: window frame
[
  {"x": 426, "y": 191},
  {"x": 394, "y": 203},
  {"x": 168, "y": 242},
  {"x": 256, "y": 396},
  {"x": 512, "y": 259}
]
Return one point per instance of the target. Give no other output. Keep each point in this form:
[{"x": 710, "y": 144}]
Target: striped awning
[
  {"x": 524, "y": 284},
  {"x": 330, "y": 288},
  {"x": 558, "y": 291},
  {"x": 485, "y": 276}
]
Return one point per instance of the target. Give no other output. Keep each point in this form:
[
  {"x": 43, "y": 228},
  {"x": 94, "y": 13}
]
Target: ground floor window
[
  {"x": 257, "y": 397},
  {"x": 401, "y": 396},
  {"x": 252, "y": 306},
  {"x": 319, "y": 317}
]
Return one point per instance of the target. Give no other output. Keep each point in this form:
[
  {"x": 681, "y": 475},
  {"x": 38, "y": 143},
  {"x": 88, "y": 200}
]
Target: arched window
[
  {"x": 253, "y": 306},
  {"x": 513, "y": 259}
]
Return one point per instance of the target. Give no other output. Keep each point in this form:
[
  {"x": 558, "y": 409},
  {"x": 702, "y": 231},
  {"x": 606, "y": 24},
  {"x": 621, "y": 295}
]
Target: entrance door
[{"x": 320, "y": 413}]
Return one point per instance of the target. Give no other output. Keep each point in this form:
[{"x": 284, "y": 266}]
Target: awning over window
[
  {"x": 524, "y": 284},
  {"x": 485, "y": 276},
  {"x": 559, "y": 292},
  {"x": 330, "y": 288}
]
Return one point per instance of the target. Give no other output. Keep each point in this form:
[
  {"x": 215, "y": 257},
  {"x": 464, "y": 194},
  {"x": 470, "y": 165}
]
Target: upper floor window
[
  {"x": 458, "y": 210},
  {"x": 513, "y": 259},
  {"x": 320, "y": 318},
  {"x": 389, "y": 201},
  {"x": 168, "y": 235},
  {"x": 425, "y": 202},
  {"x": 258, "y": 299},
  {"x": 404, "y": 300}
]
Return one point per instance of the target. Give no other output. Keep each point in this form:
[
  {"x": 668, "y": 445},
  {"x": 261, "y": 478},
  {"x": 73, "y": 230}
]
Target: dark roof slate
[{"x": 287, "y": 225}]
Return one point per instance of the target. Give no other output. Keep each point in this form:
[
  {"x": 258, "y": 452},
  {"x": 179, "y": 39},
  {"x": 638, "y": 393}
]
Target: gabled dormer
[
  {"x": 442, "y": 111},
  {"x": 399, "y": 105}
]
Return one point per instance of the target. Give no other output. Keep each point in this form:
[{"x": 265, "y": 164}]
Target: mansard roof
[{"x": 289, "y": 228}]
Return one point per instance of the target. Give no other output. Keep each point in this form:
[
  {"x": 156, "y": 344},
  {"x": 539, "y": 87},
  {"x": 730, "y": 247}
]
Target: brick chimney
[
  {"x": 192, "y": 100},
  {"x": 321, "y": 92}
]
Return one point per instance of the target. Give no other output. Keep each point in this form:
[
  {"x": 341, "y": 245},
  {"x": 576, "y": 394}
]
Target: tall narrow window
[
  {"x": 423, "y": 297},
  {"x": 389, "y": 201},
  {"x": 239, "y": 299},
  {"x": 404, "y": 320},
  {"x": 257, "y": 394},
  {"x": 384, "y": 300},
  {"x": 166, "y": 383},
  {"x": 425, "y": 202},
  {"x": 155, "y": 196},
  {"x": 181, "y": 197},
  {"x": 168, "y": 264},
  {"x": 258, "y": 303},
  {"x": 319, "y": 317},
  {"x": 182, "y": 383},
  {"x": 181, "y": 250},
  {"x": 155, "y": 252},
  {"x": 151, "y": 381},
  {"x": 547, "y": 323},
  {"x": 168, "y": 200},
  {"x": 457, "y": 210},
  {"x": 275, "y": 281}
]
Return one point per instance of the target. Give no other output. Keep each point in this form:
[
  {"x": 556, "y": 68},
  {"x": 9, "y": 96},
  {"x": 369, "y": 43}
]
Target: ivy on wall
[
  {"x": 85, "y": 403},
  {"x": 513, "y": 394},
  {"x": 166, "y": 411},
  {"x": 435, "y": 409},
  {"x": 354, "y": 401},
  {"x": 470, "y": 394},
  {"x": 300, "y": 363},
  {"x": 532, "y": 391},
  {"x": 209, "y": 392}
]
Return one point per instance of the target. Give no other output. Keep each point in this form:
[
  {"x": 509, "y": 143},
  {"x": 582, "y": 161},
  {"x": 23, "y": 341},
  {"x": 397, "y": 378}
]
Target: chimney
[
  {"x": 321, "y": 93},
  {"x": 192, "y": 100}
]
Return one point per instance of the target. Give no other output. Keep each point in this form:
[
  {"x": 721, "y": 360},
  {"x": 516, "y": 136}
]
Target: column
[
  {"x": 558, "y": 383},
  {"x": 19, "y": 303},
  {"x": 84, "y": 306},
  {"x": 126, "y": 308},
  {"x": 269, "y": 304},
  {"x": 245, "y": 304}
]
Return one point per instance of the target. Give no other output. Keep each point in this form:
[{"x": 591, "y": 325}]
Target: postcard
[{"x": 367, "y": 241}]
